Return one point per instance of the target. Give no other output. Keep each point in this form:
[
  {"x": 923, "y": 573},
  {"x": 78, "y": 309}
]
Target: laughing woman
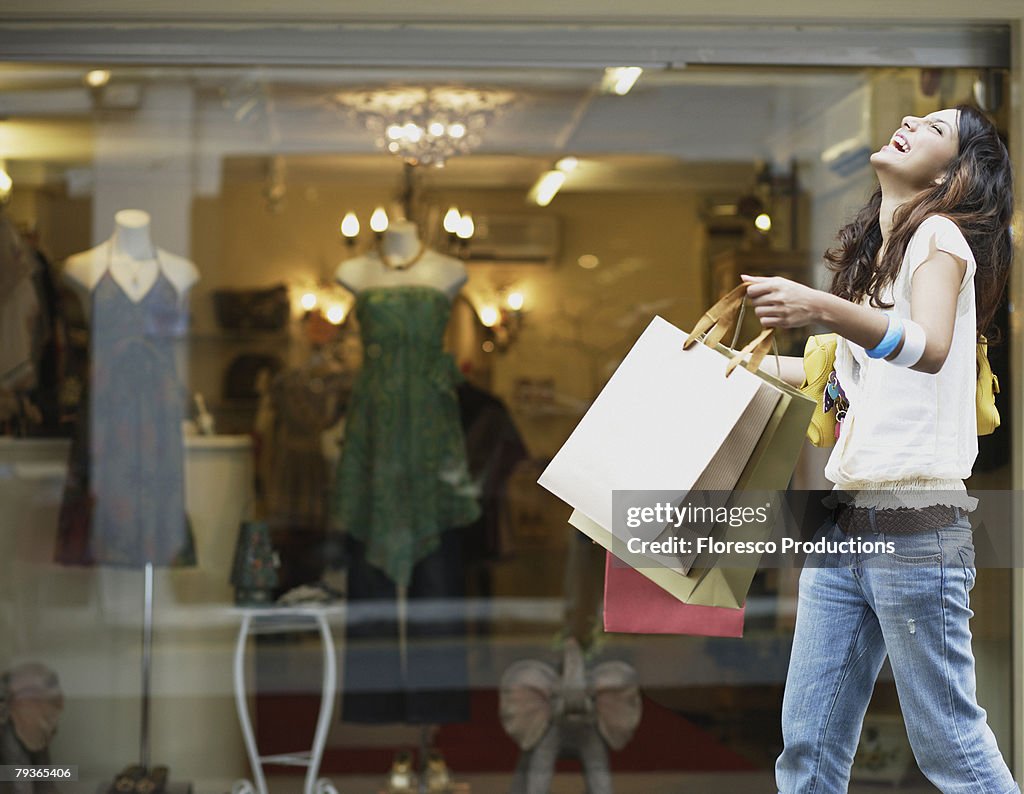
[{"x": 916, "y": 276}]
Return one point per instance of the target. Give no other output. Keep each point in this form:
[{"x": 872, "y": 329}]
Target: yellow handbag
[
  {"x": 819, "y": 363},
  {"x": 988, "y": 388}
]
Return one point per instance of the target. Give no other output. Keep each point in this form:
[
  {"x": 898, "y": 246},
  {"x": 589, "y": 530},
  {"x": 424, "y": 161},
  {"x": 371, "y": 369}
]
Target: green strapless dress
[{"x": 403, "y": 478}]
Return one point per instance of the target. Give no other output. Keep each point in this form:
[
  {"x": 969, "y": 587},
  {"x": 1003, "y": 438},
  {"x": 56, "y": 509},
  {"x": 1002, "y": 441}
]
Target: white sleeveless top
[{"x": 910, "y": 438}]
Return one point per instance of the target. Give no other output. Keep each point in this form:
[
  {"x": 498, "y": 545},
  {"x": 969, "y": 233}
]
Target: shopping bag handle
[
  {"x": 712, "y": 324},
  {"x": 758, "y": 348}
]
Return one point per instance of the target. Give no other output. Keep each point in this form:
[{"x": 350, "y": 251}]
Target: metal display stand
[{"x": 285, "y": 620}]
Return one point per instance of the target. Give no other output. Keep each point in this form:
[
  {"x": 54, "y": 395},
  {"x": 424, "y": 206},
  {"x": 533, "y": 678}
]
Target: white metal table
[{"x": 285, "y": 620}]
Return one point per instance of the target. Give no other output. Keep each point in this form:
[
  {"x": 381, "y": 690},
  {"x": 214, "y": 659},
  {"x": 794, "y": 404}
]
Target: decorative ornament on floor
[
  {"x": 426, "y": 126},
  {"x": 578, "y": 714},
  {"x": 31, "y": 702}
]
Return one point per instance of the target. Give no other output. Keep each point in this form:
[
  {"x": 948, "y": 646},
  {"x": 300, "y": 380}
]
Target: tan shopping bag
[
  {"x": 720, "y": 434},
  {"x": 661, "y": 421},
  {"x": 718, "y": 580}
]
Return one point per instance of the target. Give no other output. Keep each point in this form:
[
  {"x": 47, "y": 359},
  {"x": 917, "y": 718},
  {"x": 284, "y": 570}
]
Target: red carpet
[{"x": 663, "y": 742}]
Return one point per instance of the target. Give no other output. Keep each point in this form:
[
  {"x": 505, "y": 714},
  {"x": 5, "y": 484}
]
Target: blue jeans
[{"x": 853, "y": 609}]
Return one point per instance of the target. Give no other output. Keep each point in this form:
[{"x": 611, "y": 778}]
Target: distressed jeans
[{"x": 913, "y": 605}]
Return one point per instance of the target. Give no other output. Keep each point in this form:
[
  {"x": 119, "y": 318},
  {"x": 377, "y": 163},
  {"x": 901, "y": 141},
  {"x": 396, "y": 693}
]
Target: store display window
[{"x": 285, "y": 352}]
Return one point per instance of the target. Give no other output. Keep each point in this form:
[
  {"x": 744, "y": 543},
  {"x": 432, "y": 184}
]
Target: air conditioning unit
[{"x": 517, "y": 238}]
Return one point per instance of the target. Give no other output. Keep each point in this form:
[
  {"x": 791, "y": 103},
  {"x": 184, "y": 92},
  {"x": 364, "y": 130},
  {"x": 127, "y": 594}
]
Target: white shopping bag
[{"x": 661, "y": 423}]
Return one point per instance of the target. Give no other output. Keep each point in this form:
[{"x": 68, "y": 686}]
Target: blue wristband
[{"x": 893, "y": 335}]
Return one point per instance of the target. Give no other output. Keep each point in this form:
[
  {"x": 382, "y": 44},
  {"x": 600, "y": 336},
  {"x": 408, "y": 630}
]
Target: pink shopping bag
[{"x": 633, "y": 604}]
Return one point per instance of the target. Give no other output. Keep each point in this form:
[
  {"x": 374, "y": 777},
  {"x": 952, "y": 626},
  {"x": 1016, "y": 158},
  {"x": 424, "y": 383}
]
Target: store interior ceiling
[{"x": 691, "y": 128}]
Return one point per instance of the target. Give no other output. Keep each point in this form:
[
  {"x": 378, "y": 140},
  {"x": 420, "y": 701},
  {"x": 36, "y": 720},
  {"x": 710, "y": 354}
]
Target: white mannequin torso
[
  {"x": 401, "y": 245},
  {"x": 133, "y": 260}
]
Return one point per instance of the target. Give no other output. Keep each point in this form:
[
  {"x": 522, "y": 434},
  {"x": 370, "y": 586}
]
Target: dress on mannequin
[
  {"x": 402, "y": 485},
  {"x": 124, "y": 501},
  {"x": 403, "y": 478}
]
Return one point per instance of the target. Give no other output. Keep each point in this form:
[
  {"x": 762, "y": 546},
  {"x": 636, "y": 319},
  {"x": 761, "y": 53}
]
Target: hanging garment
[
  {"x": 19, "y": 308},
  {"x": 403, "y": 478},
  {"x": 494, "y": 448},
  {"x": 50, "y": 349},
  {"x": 305, "y": 404},
  {"x": 124, "y": 500}
]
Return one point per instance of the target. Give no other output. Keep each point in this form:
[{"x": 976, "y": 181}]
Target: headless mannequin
[
  {"x": 133, "y": 260},
  {"x": 400, "y": 266},
  {"x": 402, "y": 261}
]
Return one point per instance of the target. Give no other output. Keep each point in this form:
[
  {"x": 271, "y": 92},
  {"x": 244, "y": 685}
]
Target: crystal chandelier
[{"x": 426, "y": 126}]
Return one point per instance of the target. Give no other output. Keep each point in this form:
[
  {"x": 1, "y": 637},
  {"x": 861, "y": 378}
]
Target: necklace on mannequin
[
  {"x": 392, "y": 265},
  {"x": 136, "y": 269}
]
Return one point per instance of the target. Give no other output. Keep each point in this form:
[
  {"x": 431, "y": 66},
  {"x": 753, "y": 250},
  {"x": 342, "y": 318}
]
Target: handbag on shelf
[
  {"x": 819, "y": 368},
  {"x": 265, "y": 309}
]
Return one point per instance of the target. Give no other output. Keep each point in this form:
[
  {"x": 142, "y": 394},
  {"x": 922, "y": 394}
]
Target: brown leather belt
[{"x": 857, "y": 520}]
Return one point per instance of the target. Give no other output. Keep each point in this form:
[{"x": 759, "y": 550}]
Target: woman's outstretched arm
[{"x": 781, "y": 303}]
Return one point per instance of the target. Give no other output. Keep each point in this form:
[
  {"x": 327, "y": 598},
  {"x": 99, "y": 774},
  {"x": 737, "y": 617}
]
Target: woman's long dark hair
[{"x": 976, "y": 194}]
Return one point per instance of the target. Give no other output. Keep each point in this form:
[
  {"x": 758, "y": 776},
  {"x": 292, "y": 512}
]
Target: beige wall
[{"x": 578, "y": 323}]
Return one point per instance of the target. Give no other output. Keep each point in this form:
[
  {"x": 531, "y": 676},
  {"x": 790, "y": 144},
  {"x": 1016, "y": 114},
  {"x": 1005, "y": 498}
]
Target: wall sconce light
[
  {"x": 336, "y": 314},
  {"x": 452, "y": 219},
  {"x": 464, "y": 231},
  {"x": 350, "y": 229},
  {"x": 489, "y": 316},
  {"x": 502, "y": 322},
  {"x": 6, "y": 184},
  {"x": 379, "y": 222},
  {"x": 325, "y": 309}
]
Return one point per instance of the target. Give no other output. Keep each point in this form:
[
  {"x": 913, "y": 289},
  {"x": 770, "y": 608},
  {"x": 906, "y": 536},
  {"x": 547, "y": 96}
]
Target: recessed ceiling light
[{"x": 97, "y": 78}]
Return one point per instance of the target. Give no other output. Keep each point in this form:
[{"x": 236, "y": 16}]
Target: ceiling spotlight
[
  {"x": 545, "y": 188},
  {"x": 619, "y": 80},
  {"x": 97, "y": 78},
  {"x": 567, "y": 164},
  {"x": 763, "y": 222}
]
